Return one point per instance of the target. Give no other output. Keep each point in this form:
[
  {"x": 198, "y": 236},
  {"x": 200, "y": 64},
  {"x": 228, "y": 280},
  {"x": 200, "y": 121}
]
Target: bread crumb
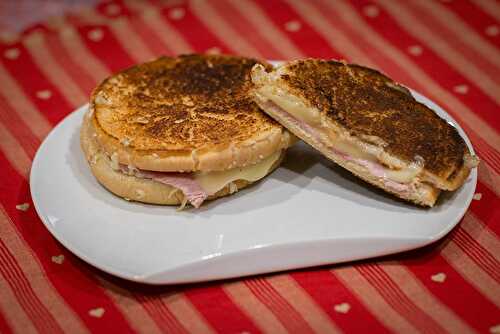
[
  {"x": 233, "y": 188},
  {"x": 23, "y": 206},
  {"x": 183, "y": 204},
  {"x": 97, "y": 312},
  {"x": 477, "y": 196},
  {"x": 59, "y": 259},
  {"x": 471, "y": 161}
]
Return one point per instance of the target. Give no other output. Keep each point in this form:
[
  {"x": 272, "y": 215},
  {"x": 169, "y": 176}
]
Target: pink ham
[
  {"x": 194, "y": 193},
  {"x": 374, "y": 168}
]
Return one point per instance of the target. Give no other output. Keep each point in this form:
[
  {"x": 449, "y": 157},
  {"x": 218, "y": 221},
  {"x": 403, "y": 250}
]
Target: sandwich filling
[
  {"x": 198, "y": 186},
  {"x": 309, "y": 120}
]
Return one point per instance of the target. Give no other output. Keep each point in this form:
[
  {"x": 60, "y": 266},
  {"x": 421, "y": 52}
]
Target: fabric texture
[{"x": 447, "y": 50}]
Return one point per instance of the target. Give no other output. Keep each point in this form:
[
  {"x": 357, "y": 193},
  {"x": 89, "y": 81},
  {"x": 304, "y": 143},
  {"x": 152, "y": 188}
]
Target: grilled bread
[
  {"x": 190, "y": 113},
  {"x": 179, "y": 130},
  {"x": 368, "y": 124},
  {"x": 143, "y": 189}
]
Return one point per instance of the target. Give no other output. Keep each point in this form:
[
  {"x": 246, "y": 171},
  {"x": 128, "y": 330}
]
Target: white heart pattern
[
  {"x": 44, "y": 94},
  {"x": 12, "y": 53},
  {"x": 439, "y": 277},
  {"x": 177, "y": 13},
  {"x": 371, "y": 11},
  {"x": 492, "y": 30},
  {"x": 95, "y": 35},
  {"x": 293, "y": 26},
  {"x": 342, "y": 308},
  {"x": 461, "y": 89},
  {"x": 97, "y": 312},
  {"x": 415, "y": 50}
]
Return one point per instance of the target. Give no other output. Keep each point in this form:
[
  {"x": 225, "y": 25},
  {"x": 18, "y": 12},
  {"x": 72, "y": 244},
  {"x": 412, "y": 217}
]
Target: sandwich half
[
  {"x": 368, "y": 124},
  {"x": 180, "y": 130}
]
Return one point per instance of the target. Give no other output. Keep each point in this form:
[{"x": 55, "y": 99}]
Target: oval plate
[{"x": 306, "y": 213}]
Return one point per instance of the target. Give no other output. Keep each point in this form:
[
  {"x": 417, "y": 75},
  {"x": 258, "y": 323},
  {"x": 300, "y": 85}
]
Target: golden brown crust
[
  {"x": 134, "y": 188},
  {"x": 367, "y": 103},
  {"x": 187, "y": 113},
  {"x": 234, "y": 155}
]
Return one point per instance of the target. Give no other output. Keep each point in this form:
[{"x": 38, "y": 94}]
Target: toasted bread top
[
  {"x": 369, "y": 104},
  {"x": 172, "y": 107}
]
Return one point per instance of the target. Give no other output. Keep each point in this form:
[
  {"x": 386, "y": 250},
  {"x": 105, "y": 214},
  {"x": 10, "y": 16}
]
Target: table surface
[{"x": 447, "y": 50}]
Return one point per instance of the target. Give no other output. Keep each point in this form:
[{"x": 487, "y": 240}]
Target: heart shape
[
  {"x": 439, "y": 277},
  {"x": 12, "y": 53},
  {"x": 177, "y": 13},
  {"x": 415, "y": 50},
  {"x": 461, "y": 89},
  {"x": 342, "y": 308},
  {"x": 492, "y": 30},
  {"x": 44, "y": 94},
  {"x": 97, "y": 312},
  {"x": 95, "y": 35},
  {"x": 293, "y": 26}
]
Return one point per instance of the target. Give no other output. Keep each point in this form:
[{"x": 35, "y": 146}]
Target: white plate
[{"x": 307, "y": 213}]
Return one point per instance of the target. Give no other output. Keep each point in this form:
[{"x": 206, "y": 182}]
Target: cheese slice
[
  {"x": 212, "y": 182},
  {"x": 404, "y": 175},
  {"x": 312, "y": 117},
  {"x": 292, "y": 105}
]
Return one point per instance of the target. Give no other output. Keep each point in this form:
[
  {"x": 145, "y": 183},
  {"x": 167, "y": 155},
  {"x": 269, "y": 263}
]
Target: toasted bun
[
  {"x": 372, "y": 110},
  {"x": 190, "y": 113},
  {"x": 134, "y": 188}
]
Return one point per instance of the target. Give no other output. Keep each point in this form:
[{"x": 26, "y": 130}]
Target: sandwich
[
  {"x": 368, "y": 124},
  {"x": 180, "y": 130}
]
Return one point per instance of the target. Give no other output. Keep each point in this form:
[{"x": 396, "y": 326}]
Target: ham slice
[
  {"x": 185, "y": 182},
  {"x": 374, "y": 168}
]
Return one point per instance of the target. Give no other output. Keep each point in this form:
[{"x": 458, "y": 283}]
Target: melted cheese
[
  {"x": 212, "y": 182},
  {"x": 353, "y": 150},
  {"x": 312, "y": 117},
  {"x": 404, "y": 175},
  {"x": 292, "y": 105}
]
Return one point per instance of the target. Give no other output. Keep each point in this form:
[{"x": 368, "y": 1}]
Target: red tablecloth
[{"x": 447, "y": 50}]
